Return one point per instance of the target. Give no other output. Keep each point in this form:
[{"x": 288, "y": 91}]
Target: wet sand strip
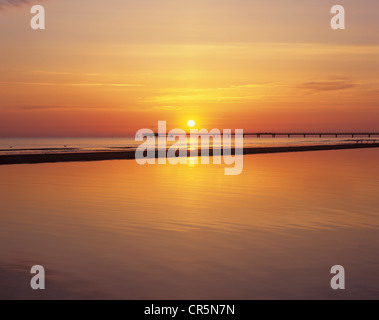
[{"x": 130, "y": 154}]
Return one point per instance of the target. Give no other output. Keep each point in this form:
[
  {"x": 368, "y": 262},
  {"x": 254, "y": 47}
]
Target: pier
[{"x": 288, "y": 134}]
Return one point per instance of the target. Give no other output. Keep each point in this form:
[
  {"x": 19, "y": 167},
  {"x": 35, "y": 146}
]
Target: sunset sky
[{"x": 110, "y": 68}]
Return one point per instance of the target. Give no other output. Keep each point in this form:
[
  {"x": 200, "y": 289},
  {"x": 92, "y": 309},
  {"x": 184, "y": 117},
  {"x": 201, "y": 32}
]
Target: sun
[{"x": 191, "y": 123}]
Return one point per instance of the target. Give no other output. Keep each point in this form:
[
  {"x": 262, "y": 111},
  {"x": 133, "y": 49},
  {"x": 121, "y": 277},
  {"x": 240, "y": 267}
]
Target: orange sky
[{"x": 110, "y": 68}]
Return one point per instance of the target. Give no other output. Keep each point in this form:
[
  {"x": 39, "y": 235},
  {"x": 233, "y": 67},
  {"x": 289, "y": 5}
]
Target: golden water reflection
[{"x": 119, "y": 230}]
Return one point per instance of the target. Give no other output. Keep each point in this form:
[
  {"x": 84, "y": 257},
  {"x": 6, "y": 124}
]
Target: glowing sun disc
[{"x": 191, "y": 123}]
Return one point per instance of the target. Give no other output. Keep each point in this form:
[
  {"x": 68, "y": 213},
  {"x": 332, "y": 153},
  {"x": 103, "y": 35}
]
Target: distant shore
[{"x": 130, "y": 154}]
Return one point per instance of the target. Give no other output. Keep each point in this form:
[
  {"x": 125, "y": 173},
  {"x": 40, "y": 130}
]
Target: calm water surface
[{"x": 114, "y": 229}]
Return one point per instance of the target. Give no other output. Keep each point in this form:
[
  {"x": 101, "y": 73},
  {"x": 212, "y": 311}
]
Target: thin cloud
[
  {"x": 331, "y": 85},
  {"x": 167, "y": 108},
  {"x": 231, "y": 93},
  {"x": 73, "y": 84},
  {"x": 36, "y": 108},
  {"x": 56, "y": 107},
  {"x": 255, "y": 86},
  {"x": 6, "y": 3}
]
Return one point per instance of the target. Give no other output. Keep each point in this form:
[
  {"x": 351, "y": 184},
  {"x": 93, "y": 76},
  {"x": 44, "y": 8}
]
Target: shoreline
[{"x": 130, "y": 154}]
